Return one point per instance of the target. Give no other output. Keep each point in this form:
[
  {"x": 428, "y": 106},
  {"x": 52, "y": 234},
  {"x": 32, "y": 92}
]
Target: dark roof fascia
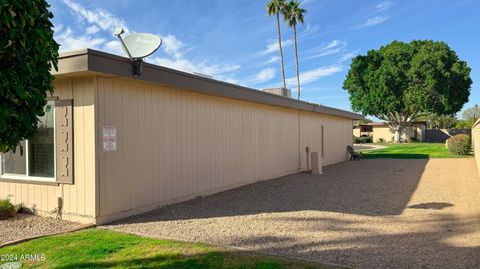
[{"x": 88, "y": 60}]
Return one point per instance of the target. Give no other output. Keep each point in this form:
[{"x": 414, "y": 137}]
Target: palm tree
[
  {"x": 275, "y": 7},
  {"x": 293, "y": 14}
]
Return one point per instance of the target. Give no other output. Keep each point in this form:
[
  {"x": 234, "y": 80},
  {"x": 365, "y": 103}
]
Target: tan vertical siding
[
  {"x": 173, "y": 144},
  {"x": 476, "y": 143},
  {"x": 79, "y": 198}
]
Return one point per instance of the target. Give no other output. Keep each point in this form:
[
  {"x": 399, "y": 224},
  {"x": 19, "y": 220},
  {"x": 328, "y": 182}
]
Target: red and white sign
[{"x": 109, "y": 138}]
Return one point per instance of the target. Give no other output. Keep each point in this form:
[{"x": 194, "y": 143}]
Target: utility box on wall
[{"x": 316, "y": 163}]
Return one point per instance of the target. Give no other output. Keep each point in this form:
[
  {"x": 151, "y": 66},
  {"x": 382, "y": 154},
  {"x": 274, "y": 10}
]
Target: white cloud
[
  {"x": 272, "y": 46},
  {"x": 99, "y": 17},
  {"x": 92, "y": 29},
  {"x": 264, "y": 75},
  {"x": 172, "y": 46},
  {"x": 374, "y": 21},
  {"x": 57, "y": 28},
  {"x": 97, "y": 21},
  {"x": 68, "y": 41},
  {"x": 383, "y": 6},
  {"x": 272, "y": 59},
  {"x": 175, "y": 51},
  {"x": 309, "y": 31},
  {"x": 194, "y": 66},
  {"x": 315, "y": 74},
  {"x": 93, "y": 21},
  {"x": 333, "y": 47},
  {"x": 348, "y": 56},
  {"x": 113, "y": 46}
]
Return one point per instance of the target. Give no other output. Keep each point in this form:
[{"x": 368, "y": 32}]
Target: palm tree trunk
[
  {"x": 281, "y": 51},
  {"x": 296, "y": 59}
]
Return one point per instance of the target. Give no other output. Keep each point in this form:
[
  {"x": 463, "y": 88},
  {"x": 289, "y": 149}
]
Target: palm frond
[
  {"x": 293, "y": 13},
  {"x": 275, "y": 7}
]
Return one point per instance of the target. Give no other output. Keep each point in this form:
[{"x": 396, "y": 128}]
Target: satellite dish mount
[{"x": 138, "y": 46}]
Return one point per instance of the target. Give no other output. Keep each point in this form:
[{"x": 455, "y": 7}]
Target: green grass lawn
[
  {"x": 96, "y": 248},
  {"x": 411, "y": 151}
]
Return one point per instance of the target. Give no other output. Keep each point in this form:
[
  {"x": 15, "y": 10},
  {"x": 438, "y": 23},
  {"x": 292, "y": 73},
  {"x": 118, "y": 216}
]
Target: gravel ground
[
  {"x": 26, "y": 226},
  {"x": 383, "y": 213}
]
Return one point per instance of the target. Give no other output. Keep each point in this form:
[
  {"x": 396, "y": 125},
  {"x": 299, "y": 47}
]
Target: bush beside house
[
  {"x": 459, "y": 144},
  {"x": 362, "y": 139},
  {"x": 7, "y": 209}
]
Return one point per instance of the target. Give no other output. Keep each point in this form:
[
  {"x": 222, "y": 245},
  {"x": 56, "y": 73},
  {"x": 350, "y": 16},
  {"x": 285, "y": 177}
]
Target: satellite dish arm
[{"x": 124, "y": 46}]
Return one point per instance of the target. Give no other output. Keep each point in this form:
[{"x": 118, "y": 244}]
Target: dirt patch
[
  {"x": 383, "y": 213},
  {"x": 24, "y": 226}
]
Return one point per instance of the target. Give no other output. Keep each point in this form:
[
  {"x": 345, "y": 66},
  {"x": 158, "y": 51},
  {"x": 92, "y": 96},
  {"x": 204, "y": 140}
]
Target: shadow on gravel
[
  {"x": 370, "y": 187},
  {"x": 435, "y": 206},
  {"x": 384, "y": 233},
  {"x": 432, "y": 246}
]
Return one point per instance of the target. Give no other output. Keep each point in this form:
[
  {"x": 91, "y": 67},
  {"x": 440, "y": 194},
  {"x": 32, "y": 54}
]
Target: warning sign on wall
[{"x": 109, "y": 138}]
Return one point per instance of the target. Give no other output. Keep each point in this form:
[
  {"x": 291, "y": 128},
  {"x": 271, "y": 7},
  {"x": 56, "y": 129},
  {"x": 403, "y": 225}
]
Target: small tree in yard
[
  {"x": 472, "y": 113},
  {"x": 470, "y": 116},
  {"x": 27, "y": 53},
  {"x": 402, "y": 81}
]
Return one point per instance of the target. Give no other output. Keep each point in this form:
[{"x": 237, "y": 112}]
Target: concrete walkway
[
  {"x": 359, "y": 147},
  {"x": 383, "y": 213}
]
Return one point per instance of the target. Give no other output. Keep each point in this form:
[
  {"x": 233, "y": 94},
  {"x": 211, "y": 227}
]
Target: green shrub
[
  {"x": 7, "y": 209},
  {"x": 362, "y": 139},
  {"x": 459, "y": 144},
  {"x": 413, "y": 139}
]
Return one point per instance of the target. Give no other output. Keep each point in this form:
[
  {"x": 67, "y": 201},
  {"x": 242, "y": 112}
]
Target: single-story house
[
  {"x": 381, "y": 130},
  {"x": 110, "y": 145}
]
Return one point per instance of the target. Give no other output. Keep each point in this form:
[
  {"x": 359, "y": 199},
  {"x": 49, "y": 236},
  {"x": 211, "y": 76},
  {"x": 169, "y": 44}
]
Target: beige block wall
[
  {"x": 385, "y": 133},
  {"x": 79, "y": 198},
  {"x": 174, "y": 144},
  {"x": 382, "y": 132},
  {"x": 356, "y": 132},
  {"x": 476, "y": 143}
]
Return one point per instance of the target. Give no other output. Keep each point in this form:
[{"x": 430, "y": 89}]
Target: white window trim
[{"x": 27, "y": 177}]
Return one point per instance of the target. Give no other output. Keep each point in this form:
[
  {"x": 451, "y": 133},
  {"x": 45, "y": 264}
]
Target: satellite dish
[
  {"x": 138, "y": 46},
  {"x": 141, "y": 45}
]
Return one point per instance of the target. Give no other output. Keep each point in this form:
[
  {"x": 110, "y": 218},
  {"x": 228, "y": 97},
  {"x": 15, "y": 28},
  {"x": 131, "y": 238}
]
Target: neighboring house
[
  {"x": 112, "y": 146},
  {"x": 380, "y": 130}
]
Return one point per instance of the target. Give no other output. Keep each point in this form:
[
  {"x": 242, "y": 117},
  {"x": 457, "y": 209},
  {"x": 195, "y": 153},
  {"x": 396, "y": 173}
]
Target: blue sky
[{"x": 235, "y": 41}]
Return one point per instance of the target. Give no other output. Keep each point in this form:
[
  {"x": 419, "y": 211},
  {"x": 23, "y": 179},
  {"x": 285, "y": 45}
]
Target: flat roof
[
  {"x": 384, "y": 124},
  {"x": 87, "y": 61}
]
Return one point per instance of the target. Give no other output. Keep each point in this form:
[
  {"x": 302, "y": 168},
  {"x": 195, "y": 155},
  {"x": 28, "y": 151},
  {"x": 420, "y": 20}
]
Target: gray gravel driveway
[{"x": 383, "y": 213}]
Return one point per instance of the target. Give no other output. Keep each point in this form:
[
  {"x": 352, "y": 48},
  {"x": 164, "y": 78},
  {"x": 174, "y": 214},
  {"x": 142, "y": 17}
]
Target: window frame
[{"x": 27, "y": 177}]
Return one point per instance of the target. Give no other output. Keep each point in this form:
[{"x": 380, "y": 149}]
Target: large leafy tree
[
  {"x": 293, "y": 14},
  {"x": 275, "y": 7},
  {"x": 27, "y": 53},
  {"x": 402, "y": 81}
]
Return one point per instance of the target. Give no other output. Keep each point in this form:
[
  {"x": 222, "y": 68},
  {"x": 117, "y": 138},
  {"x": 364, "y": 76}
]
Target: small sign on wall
[{"x": 109, "y": 138}]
